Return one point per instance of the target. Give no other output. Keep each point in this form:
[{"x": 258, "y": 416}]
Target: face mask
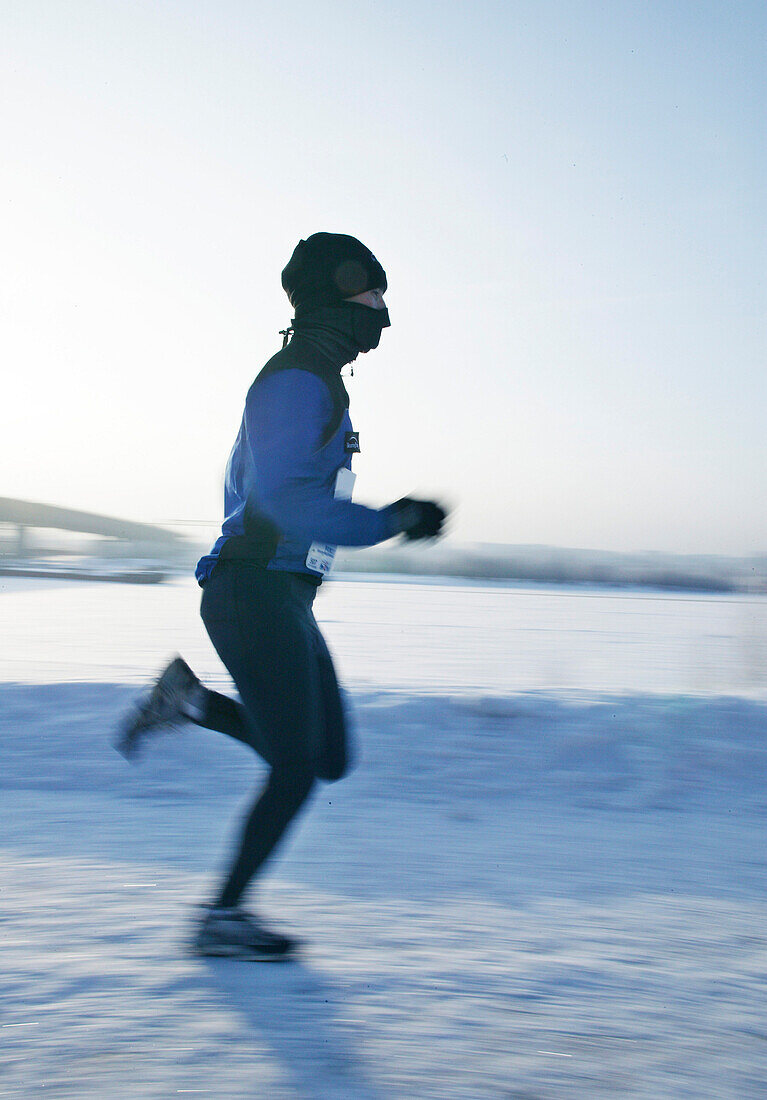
[{"x": 367, "y": 324}]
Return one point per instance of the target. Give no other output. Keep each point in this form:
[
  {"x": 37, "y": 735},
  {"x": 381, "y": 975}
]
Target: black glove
[{"x": 418, "y": 519}]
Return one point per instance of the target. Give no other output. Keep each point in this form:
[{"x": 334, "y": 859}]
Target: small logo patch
[{"x": 351, "y": 442}]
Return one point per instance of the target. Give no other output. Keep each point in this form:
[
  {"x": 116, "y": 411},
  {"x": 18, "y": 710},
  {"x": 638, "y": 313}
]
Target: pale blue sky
[{"x": 569, "y": 200}]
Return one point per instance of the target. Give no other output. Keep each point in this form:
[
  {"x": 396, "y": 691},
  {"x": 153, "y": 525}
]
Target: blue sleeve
[{"x": 285, "y": 417}]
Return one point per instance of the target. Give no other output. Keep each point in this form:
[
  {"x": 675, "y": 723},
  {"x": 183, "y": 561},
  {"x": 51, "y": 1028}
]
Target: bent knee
[{"x": 330, "y": 771}]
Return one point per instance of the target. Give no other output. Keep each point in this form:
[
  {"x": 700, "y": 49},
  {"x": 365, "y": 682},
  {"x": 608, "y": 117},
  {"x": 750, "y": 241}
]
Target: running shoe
[
  {"x": 172, "y": 700},
  {"x": 237, "y": 934}
]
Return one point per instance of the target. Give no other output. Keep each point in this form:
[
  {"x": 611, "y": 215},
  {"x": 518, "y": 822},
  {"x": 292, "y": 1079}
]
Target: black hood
[{"x": 326, "y": 268}]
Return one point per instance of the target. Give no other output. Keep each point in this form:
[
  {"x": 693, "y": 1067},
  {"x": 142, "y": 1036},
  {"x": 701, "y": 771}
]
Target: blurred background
[
  {"x": 568, "y": 199},
  {"x": 545, "y": 878}
]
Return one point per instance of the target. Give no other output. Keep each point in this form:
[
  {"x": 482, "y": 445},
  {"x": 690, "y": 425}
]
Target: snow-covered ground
[{"x": 545, "y": 878}]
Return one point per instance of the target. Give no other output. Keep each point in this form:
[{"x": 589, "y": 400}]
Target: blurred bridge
[
  {"x": 24, "y": 514},
  {"x": 128, "y": 538}
]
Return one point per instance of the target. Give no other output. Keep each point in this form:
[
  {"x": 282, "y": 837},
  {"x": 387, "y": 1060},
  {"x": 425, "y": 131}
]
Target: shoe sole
[{"x": 245, "y": 954}]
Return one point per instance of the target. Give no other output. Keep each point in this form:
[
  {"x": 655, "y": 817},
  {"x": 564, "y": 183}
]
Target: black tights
[
  {"x": 275, "y": 806},
  {"x": 261, "y": 624}
]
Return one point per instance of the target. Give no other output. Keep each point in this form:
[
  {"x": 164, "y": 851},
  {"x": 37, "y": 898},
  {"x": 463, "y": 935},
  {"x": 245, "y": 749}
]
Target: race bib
[{"x": 321, "y": 554}]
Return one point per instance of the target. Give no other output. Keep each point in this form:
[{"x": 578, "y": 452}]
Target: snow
[{"x": 545, "y": 877}]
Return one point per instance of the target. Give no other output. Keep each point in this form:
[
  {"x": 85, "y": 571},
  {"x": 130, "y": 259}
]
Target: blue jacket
[{"x": 279, "y": 493}]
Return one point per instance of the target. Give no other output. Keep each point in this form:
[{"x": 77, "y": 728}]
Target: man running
[{"x": 287, "y": 502}]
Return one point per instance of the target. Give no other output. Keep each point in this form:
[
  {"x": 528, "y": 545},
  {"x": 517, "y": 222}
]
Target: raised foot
[{"x": 169, "y": 701}]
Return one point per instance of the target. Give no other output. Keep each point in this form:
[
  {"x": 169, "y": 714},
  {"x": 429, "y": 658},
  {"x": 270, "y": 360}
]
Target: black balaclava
[{"x": 323, "y": 271}]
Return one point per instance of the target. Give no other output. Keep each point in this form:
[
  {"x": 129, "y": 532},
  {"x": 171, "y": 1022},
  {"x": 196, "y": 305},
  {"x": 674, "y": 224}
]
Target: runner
[{"x": 287, "y": 502}]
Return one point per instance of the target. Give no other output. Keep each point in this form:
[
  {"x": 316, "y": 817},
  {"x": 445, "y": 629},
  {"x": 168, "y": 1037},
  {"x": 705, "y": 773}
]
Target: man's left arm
[{"x": 285, "y": 415}]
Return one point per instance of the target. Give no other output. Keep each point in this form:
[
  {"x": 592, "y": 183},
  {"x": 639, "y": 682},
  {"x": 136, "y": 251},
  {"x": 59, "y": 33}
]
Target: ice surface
[{"x": 545, "y": 878}]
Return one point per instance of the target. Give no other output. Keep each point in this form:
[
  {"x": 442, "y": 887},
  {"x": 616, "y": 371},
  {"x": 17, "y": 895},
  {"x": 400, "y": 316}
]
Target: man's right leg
[
  {"x": 225, "y": 715},
  {"x": 176, "y": 697}
]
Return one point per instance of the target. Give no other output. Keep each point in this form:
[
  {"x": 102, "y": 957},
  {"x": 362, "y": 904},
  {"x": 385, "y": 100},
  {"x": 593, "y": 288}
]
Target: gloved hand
[{"x": 418, "y": 519}]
